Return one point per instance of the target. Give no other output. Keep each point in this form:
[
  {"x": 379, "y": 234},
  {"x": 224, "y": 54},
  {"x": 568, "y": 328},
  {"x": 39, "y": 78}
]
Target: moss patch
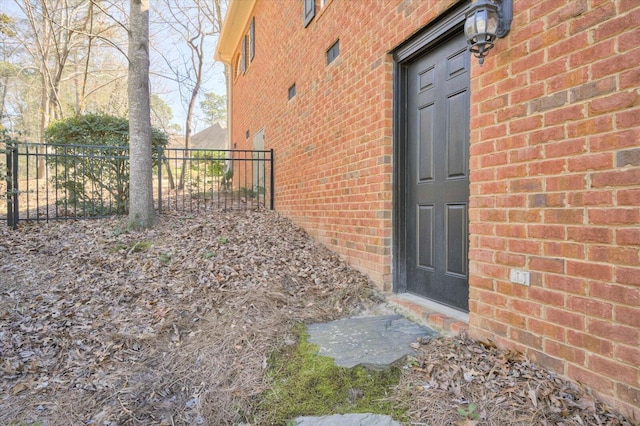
[
  {"x": 133, "y": 247},
  {"x": 307, "y": 384}
]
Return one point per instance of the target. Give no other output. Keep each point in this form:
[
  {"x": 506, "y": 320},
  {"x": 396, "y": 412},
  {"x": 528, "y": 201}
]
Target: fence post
[
  {"x": 271, "y": 184},
  {"x": 159, "y": 163},
  {"x": 9, "y": 180},
  {"x": 13, "y": 214},
  {"x": 16, "y": 210}
]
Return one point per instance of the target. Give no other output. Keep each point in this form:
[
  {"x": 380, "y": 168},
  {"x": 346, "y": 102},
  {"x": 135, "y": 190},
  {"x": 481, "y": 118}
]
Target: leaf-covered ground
[
  {"x": 458, "y": 381},
  {"x": 168, "y": 326},
  {"x": 173, "y": 326}
]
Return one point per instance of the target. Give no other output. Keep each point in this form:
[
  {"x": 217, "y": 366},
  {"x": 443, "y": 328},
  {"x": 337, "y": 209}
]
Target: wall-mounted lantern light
[{"x": 486, "y": 20}]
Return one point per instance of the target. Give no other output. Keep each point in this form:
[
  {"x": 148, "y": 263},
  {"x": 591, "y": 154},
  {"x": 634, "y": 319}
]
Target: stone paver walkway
[{"x": 376, "y": 342}]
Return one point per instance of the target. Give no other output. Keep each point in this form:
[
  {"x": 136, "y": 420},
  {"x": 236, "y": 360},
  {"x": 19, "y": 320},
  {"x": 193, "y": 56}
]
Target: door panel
[
  {"x": 425, "y": 233},
  {"x": 456, "y": 155},
  {"x": 437, "y": 174},
  {"x": 426, "y": 143},
  {"x": 456, "y": 218}
]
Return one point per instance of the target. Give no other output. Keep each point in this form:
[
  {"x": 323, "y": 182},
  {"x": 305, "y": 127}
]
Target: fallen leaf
[{"x": 19, "y": 387}]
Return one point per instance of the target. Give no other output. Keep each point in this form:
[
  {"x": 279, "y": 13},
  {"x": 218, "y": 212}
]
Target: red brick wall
[
  {"x": 333, "y": 140},
  {"x": 555, "y": 172},
  {"x": 555, "y": 164}
]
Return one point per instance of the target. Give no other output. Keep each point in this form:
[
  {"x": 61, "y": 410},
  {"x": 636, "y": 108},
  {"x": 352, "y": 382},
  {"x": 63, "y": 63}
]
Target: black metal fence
[{"x": 50, "y": 182}]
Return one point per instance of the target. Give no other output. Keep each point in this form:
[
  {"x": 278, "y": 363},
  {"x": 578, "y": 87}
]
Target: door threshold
[{"x": 444, "y": 318}]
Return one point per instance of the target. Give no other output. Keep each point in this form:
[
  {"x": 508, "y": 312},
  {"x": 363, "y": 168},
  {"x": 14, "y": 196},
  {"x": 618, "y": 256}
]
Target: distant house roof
[{"x": 213, "y": 137}]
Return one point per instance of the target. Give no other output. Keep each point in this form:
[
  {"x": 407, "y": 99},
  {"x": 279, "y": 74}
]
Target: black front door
[{"x": 437, "y": 173}]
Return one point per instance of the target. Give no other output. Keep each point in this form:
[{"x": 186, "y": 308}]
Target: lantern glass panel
[
  {"x": 481, "y": 21},
  {"x": 492, "y": 22},
  {"x": 470, "y": 28}
]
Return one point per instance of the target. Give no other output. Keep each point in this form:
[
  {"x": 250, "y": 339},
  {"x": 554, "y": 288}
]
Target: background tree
[
  {"x": 7, "y": 69},
  {"x": 57, "y": 70},
  {"x": 55, "y": 26},
  {"x": 141, "y": 210},
  {"x": 194, "y": 24},
  {"x": 70, "y": 58},
  {"x": 162, "y": 115},
  {"x": 214, "y": 107},
  {"x": 84, "y": 43}
]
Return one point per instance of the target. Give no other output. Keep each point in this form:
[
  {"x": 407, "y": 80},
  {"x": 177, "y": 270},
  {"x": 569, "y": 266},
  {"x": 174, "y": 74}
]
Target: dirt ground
[{"x": 174, "y": 326}]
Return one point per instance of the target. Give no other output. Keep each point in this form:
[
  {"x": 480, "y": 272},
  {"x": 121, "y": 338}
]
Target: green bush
[
  {"x": 212, "y": 162},
  {"x": 92, "y": 161}
]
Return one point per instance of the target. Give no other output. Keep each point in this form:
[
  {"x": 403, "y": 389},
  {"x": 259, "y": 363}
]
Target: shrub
[
  {"x": 91, "y": 161},
  {"x": 212, "y": 162}
]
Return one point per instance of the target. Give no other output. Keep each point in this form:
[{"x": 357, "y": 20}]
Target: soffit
[{"x": 235, "y": 21}]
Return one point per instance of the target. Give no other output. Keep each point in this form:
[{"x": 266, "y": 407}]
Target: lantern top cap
[{"x": 482, "y": 4}]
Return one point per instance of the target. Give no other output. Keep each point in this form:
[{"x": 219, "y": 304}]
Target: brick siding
[
  {"x": 554, "y": 161},
  {"x": 554, "y": 183},
  {"x": 333, "y": 140}
]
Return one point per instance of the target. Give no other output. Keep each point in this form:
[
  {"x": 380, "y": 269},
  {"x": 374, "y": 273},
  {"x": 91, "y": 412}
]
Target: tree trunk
[
  {"x": 5, "y": 83},
  {"x": 141, "y": 210},
  {"x": 44, "y": 122},
  {"x": 172, "y": 184},
  {"x": 188, "y": 131}
]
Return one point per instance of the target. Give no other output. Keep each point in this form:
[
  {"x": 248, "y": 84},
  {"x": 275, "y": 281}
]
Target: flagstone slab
[
  {"x": 375, "y": 342},
  {"x": 365, "y": 419}
]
